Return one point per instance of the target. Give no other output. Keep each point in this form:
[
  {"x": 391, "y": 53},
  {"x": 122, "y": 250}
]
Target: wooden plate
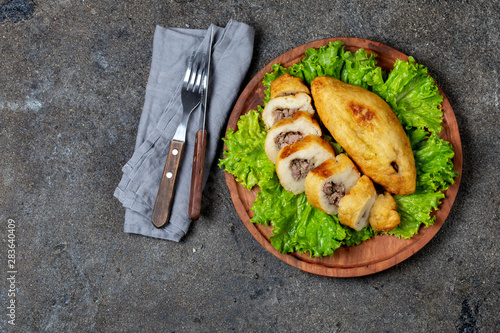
[{"x": 378, "y": 253}]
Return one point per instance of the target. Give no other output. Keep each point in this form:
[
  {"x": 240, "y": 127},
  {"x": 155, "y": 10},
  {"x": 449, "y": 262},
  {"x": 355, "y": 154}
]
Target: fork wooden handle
[
  {"x": 165, "y": 196},
  {"x": 197, "y": 175}
]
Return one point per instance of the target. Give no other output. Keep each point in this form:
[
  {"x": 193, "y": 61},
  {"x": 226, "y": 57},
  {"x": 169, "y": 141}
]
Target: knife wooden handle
[
  {"x": 197, "y": 175},
  {"x": 165, "y": 196}
]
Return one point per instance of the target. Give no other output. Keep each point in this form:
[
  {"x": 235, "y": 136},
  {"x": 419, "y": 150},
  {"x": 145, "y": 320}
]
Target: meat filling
[
  {"x": 287, "y": 138},
  {"x": 283, "y": 113},
  {"x": 334, "y": 192},
  {"x": 300, "y": 168}
]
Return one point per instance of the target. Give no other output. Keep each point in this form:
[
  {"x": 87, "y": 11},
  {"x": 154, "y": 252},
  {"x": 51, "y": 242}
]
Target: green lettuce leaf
[
  {"x": 413, "y": 96},
  {"x": 326, "y": 60},
  {"x": 315, "y": 231},
  {"x": 414, "y": 210},
  {"x": 245, "y": 155},
  {"x": 298, "y": 226},
  {"x": 354, "y": 237},
  {"x": 361, "y": 68},
  {"x": 270, "y": 196},
  {"x": 433, "y": 160}
]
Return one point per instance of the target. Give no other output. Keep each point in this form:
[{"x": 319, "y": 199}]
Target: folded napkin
[{"x": 172, "y": 47}]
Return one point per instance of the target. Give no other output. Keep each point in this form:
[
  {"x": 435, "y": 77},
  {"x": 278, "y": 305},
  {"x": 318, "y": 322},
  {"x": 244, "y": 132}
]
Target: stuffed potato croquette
[{"x": 369, "y": 131}]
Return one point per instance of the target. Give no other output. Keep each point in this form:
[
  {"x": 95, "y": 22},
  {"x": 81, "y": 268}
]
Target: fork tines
[{"x": 195, "y": 77}]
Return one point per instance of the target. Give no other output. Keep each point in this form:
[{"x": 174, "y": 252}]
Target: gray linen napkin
[{"x": 172, "y": 47}]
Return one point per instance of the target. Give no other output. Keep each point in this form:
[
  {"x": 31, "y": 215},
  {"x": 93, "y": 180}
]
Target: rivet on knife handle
[
  {"x": 197, "y": 175},
  {"x": 164, "y": 199}
]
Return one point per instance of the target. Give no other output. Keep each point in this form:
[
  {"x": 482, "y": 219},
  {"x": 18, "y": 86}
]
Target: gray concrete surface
[{"x": 72, "y": 84}]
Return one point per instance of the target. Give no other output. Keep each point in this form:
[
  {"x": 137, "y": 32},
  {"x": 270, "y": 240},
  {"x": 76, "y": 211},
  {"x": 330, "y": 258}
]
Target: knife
[{"x": 199, "y": 148}]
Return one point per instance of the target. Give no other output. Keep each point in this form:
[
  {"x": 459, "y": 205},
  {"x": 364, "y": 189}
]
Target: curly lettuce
[
  {"x": 298, "y": 226},
  {"x": 433, "y": 160},
  {"x": 413, "y": 96},
  {"x": 245, "y": 157},
  {"x": 361, "y": 69},
  {"x": 326, "y": 60},
  {"x": 354, "y": 237},
  {"x": 415, "y": 210}
]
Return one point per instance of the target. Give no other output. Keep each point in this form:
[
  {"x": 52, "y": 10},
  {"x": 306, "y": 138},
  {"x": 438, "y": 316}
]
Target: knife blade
[{"x": 196, "y": 190}]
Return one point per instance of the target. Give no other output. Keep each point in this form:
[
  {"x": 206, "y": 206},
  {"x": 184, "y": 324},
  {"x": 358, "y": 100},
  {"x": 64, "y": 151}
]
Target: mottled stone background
[{"x": 72, "y": 84}]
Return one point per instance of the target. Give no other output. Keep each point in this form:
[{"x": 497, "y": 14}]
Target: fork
[{"x": 193, "y": 87}]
